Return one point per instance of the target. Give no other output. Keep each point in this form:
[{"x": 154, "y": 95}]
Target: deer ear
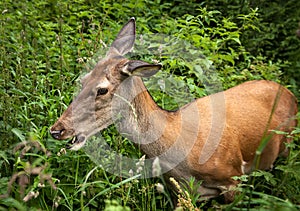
[
  {"x": 125, "y": 39},
  {"x": 140, "y": 68}
]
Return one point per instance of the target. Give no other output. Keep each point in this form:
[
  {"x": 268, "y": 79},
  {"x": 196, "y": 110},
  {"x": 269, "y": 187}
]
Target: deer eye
[{"x": 102, "y": 91}]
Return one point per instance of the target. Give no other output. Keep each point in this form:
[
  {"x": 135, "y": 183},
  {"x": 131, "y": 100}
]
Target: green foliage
[
  {"x": 114, "y": 206},
  {"x": 274, "y": 36},
  {"x": 45, "y": 47}
]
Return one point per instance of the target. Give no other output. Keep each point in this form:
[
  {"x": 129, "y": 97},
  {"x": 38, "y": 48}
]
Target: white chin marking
[{"x": 77, "y": 146}]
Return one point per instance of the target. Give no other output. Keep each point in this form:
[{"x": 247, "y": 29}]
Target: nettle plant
[{"x": 219, "y": 39}]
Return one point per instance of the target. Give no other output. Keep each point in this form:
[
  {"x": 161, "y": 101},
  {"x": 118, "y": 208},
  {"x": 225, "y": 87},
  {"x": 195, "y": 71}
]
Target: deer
[{"x": 212, "y": 138}]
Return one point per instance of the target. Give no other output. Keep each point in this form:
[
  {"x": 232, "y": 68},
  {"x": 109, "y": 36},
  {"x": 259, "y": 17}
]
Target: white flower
[
  {"x": 156, "y": 169},
  {"x": 130, "y": 173},
  {"x": 139, "y": 169},
  {"x": 160, "y": 188}
]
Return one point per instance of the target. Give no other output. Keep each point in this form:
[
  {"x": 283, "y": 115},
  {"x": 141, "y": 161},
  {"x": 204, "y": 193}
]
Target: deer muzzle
[{"x": 60, "y": 132}]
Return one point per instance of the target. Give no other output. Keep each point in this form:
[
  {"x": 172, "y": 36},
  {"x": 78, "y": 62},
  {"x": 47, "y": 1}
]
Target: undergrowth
[{"x": 45, "y": 47}]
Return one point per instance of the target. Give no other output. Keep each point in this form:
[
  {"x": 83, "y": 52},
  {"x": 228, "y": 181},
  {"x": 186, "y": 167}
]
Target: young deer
[{"x": 212, "y": 138}]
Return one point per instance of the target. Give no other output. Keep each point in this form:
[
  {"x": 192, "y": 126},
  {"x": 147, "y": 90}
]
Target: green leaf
[{"x": 18, "y": 133}]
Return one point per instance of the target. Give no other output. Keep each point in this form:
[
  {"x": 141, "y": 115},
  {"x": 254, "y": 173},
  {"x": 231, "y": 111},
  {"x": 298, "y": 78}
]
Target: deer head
[{"x": 90, "y": 112}]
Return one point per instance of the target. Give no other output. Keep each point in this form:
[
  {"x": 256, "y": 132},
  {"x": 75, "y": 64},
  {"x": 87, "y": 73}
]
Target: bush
[{"x": 45, "y": 47}]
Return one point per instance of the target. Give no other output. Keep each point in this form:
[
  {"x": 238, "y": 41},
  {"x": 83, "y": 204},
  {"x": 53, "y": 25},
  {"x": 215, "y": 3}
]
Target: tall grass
[{"x": 45, "y": 46}]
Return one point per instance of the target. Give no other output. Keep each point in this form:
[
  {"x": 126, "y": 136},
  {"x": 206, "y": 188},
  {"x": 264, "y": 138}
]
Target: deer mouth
[{"x": 76, "y": 142}]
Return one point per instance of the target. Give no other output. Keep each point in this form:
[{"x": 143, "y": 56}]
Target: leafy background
[{"x": 47, "y": 44}]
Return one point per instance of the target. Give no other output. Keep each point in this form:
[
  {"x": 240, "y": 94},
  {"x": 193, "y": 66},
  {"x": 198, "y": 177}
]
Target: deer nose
[{"x": 57, "y": 134}]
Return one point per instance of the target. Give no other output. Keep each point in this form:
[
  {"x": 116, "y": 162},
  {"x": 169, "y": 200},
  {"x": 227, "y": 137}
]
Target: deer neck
[
  {"x": 167, "y": 135},
  {"x": 142, "y": 120}
]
